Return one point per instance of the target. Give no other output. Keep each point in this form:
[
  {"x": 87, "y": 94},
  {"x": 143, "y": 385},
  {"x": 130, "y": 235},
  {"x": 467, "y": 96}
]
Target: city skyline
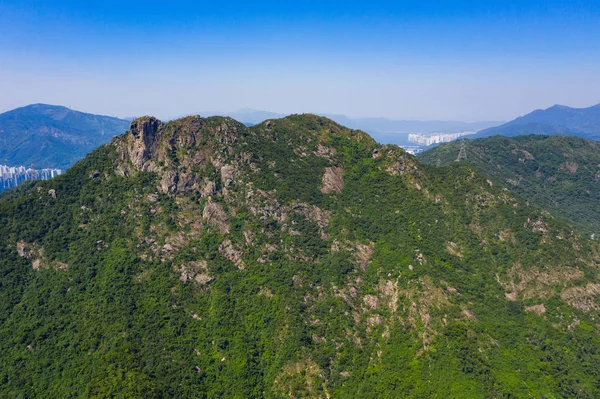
[
  {"x": 12, "y": 176},
  {"x": 428, "y": 139}
]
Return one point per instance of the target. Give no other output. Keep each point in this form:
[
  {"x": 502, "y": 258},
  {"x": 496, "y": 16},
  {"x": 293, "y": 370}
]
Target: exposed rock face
[
  {"x": 538, "y": 283},
  {"x": 230, "y": 253},
  {"x": 143, "y": 140},
  {"x": 209, "y": 188},
  {"x": 363, "y": 254},
  {"x": 371, "y": 301},
  {"x": 584, "y": 297},
  {"x": 333, "y": 181},
  {"x": 35, "y": 253},
  {"x": 168, "y": 182},
  {"x": 453, "y": 249},
  {"x": 179, "y": 152},
  {"x": 227, "y": 174},
  {"x": 570, "y": 166},
  {"x": 314, "y": 213},
  {"x": 26, "y": 250},
  {"x": 215, "y": 215},
  {"x": 537, "y": 309},
  {"x": 196, "y": 272},
  {"x": 536, "y": 225}
]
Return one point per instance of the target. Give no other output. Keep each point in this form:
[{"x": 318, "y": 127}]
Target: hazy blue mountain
[
  {"x": 386, "y": 131},
  {"x": 51, "y": 136},
  {"x": 384, "y": 125},
  {"x": 558, "y": 119}
]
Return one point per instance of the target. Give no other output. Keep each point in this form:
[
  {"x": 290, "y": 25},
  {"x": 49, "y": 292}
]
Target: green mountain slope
[
  {"x": 558, "y": 173},
  {"x": 51, "y": 136},
  {"x": 296, "y": 258}
]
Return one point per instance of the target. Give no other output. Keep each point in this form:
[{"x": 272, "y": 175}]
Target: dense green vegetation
[
  {"x": 557, "y": 173},
  {"x": 295, "y": 258},
  {"x": 52, "y": 136}
]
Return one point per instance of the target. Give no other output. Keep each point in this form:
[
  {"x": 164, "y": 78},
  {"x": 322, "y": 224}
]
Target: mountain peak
[
  {"x": 40, "y": 109},
  {"x": 560, "y": 106},
  {"x": 175, "y": 149},
  {"x": 45, "y": 106}
]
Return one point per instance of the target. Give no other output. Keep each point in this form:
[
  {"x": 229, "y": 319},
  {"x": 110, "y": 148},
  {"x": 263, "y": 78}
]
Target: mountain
[
  {"x": 559, "y": 119},
  {"x": 50, "y": 136},
  {"x": 383, "y": 130},
  {"x": 557, "y": 173},
  {"x": 295, "y": 258}
]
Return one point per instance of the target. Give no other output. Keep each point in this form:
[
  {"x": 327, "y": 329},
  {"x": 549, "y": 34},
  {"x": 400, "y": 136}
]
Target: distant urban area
[
  {"x": 435, "y": 138},
  {"x": 12, "y": 176}
]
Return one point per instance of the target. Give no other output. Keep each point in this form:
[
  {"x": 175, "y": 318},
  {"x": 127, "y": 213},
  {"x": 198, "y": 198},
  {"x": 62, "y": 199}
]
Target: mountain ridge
[
  {"x": 557, "y": 172},
  {"x": 558, "y": 119}
]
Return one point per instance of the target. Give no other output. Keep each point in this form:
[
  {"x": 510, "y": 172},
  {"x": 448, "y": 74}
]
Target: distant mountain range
[
  {"x": 559, "y": 119},
  {"x": 385, "y": 131},
  {"x": 51, "y": 136}
]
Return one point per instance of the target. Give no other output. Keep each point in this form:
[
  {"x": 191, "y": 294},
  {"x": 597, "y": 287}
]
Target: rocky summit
[{"x": 200, "y": 258}]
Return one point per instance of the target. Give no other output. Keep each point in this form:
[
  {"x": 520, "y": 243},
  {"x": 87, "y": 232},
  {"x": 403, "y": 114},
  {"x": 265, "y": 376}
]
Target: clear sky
[{"x": 459, "y": 60}]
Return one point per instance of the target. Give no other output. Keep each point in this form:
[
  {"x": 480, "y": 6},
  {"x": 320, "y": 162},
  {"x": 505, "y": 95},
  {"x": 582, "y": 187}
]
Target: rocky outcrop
[
  {"x": 27, "y": 250},
  {"x": 215, "y": 215},
  {"x": 333, "y": 181},
  {"x": 313, "y": 213},
  {"x": 35, "y": 253},
  {"x": 570, "y": 166},
  {"x": 227, "y": 175},
  {"x": 182, "y": 153},
  {"x": 209, "y": 188},
  {"x": 142, "y": 143},
  {"x": 537, "y": 309},
  {"x": 196, "y": 272},
  {"x": 230, "y": 253},
  {"x": 584, "y": 298},
  {"x": 363, "y": 254}
]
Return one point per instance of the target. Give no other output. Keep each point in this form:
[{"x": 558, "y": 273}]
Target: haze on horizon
[{"x": 451, "y": 60}]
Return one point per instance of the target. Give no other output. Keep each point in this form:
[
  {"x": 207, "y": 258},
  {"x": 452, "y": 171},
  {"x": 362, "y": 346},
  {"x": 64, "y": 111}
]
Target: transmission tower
[{"x": 462, "y": 154}]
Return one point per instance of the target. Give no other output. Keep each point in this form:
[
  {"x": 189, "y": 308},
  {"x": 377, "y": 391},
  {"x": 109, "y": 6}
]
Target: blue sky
[{"x": 460, "y": 60}]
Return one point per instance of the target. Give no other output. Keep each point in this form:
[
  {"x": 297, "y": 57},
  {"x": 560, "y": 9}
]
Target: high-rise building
[
  {"x": 435, "y": 138},
  {"x": 12, "y": 176}
]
